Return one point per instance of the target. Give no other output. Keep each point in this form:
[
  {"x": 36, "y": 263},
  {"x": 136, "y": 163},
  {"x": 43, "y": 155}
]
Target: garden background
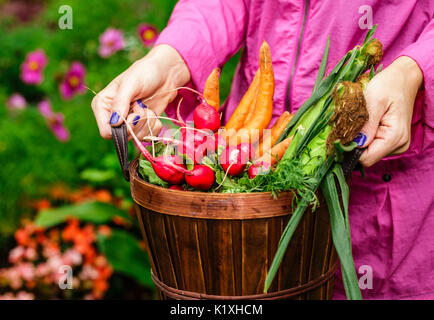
[{"x": 63, "y": 200}]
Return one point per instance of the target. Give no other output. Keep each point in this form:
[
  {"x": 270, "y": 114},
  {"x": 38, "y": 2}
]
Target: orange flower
[
  {"x": 100, "y": 286},
  {"x": 103, "y": 196},
  {"x": 59, "y": 191},
  {"x": 104, "y": 230},
  {"x": 71, "y": 230},
  {"x": 42, "y": 204},
  {"x": 22, "y": 237}
]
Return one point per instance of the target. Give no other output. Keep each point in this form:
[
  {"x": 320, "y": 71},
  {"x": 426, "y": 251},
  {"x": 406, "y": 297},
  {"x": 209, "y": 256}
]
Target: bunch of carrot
[{"x": 243, "y": 145}]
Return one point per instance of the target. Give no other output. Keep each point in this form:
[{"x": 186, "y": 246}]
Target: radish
[
  {"x": 260, "y": 167},
  {"x": 201, "y": 177},
  {"x": 176, "y": 187},
  {"x": 193, "y": 144},
  {"x": 167, "y": 167},
  {"x": 247, "y": 151},
  {"x": 214, "y": 142},
  {"x": 231, "y": 161},
  {"x": 206, "y": 117}
]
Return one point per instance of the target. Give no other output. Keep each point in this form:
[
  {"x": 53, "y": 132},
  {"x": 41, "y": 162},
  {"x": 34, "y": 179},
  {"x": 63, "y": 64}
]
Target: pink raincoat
[{"x": 392, "y": 209}]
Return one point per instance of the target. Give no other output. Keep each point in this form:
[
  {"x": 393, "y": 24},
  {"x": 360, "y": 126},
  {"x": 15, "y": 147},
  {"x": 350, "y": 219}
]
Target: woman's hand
[
  {"x": 159, "y": 71},
  {"x": 390, "y": 97}
]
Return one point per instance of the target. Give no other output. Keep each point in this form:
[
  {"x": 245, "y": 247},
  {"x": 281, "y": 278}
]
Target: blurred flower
[
  {"x": 104, "y": 230},
  {"x": 103, "y": 196},
  {"x": 72, "y": 257},
  {"x": 41, "y": 204},
  {"x": 73, "y": 81},
  {"x": 16, "y": 254},
  {"x": 44, "y": 108},
  {"x": 55, "y": 121},
  {"x": 111, "y": 41},
  {"x": 147, "y": 33},
  {"x": 33, "y": 66},
  {"x": 26, "y": 270},
  {"x": 16, "y": 101},
  {"x": 22, "y": 295},
  {"x": 31, "y": 254},
  {"x": 72, "y": 228}
]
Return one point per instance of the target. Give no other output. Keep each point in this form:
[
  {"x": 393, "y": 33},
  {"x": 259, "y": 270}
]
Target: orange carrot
[
  {"x": 276, "y": 153},
  {"x": 253, "y": 129},
  {"x": 211, "y": 90},
  {"x": 239, "y": 115},
  {"x": 251, "y": 110},
  {"x": 266, "y": 143}
]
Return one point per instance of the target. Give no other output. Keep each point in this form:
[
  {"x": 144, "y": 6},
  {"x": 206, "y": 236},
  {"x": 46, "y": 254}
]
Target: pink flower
[
  {"x": 16, "y": 101},
  {"x": 44, "y": 108},
  {"x": 55, "y": 121},
  {"x": 31, "y": 254},
  {"x": 7, "y": 296},
  {"x": 42, "y": 270},
  {"x": 73, "y": 81},
  {"x": 111, "y": 41},
  {"x": 23, "y": 295},
  {"x": 14, "y": 278},
  {"x": 16, "y": 254},
  {"x": 26, "y": 271},
  {"x": 72, "y": 257},
  {"x": 33, "y": 66},
  {"x": 147, "y": 33}
]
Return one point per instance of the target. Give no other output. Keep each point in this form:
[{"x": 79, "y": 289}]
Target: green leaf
[
  {"x": 341, "y": 237},
  {"x": 96, "y": 175},
  {"x": 147, "y": 172},
  {"x": 125, "y": 256},
  {"x": 323, "y": 65},
  {"x": 95, "y": 212},
  {"x": 293, "y": 223}
]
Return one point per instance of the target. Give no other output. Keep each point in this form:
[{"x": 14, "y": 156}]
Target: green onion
[{"x": 311, "y": 127}]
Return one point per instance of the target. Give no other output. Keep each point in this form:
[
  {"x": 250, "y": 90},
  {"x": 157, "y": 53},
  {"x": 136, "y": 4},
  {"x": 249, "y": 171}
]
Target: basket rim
[
  {"x": 196, "y": 204},
  {"x": 135, "y": 175}
]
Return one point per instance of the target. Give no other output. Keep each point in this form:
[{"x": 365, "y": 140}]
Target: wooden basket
[{"x": 220, "y": 246}]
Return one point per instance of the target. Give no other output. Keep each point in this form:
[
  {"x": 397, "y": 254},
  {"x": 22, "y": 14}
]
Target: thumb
[{"x": 121, "y": 104}]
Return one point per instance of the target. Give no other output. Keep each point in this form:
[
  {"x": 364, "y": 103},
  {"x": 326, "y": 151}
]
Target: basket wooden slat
[{"x": 208, "y": 245}]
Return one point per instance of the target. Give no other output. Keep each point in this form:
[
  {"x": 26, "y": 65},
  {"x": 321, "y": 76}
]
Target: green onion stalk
[{"x": 322, "y": 129}]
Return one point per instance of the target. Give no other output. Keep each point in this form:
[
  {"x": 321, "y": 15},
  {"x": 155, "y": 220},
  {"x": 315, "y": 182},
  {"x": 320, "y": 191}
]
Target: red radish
[
  {"x": 214, "y": 142},
  {"x": 231, "y": 161},
  {"x": 247, "y": 151},
  {"x": 176, "y": 187},
  {"x": 167, "y": 168},
  {"x": 206, "y": 117},
  {"x": 260, "y": 167},
  {"x": 201, "y": 177},
  {"x": 193, "y": 144}
]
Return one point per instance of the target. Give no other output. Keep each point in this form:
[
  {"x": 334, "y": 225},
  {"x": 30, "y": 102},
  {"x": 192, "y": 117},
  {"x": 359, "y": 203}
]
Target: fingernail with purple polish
[
  {"x": 141, "y": 104},
  {"x": 114, "y": 118},
  {"x": 136, "y": 119},
  {"x": 360, "y": 139}
]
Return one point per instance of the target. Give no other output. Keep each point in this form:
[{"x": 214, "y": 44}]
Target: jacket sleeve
[
  {"x": 206, "y": 33},
  {"x": 422, "y": 51}
]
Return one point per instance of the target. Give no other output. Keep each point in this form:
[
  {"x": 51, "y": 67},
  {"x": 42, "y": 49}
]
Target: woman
[{"x": 391, "y": 209}]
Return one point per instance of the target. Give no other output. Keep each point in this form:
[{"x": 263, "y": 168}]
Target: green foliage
[
  {"x": 95, "y": 212},
  {"x": 31, "y": 159},
  {"x": 125, "y": 256}
]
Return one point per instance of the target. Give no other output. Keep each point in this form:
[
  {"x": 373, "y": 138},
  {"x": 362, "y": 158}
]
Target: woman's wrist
[
  {"x": 408, "y": 68},
  {"x": 171, "y": 64}
]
